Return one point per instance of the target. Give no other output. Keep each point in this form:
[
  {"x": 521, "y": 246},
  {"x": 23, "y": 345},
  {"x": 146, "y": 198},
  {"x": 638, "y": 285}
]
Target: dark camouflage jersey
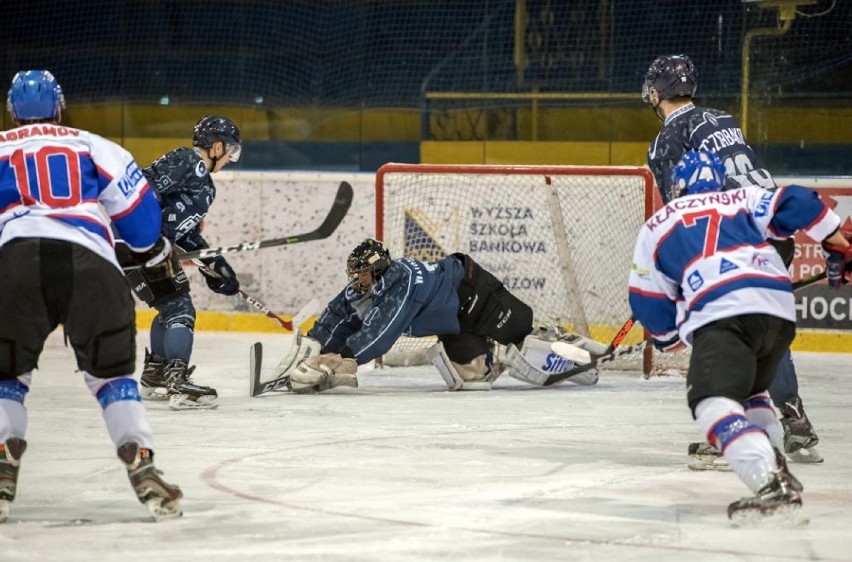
[
  {"x": 185, "y": 190},
  {"x": 413, "y": 298},
  {"x": 703, "y": 129}
]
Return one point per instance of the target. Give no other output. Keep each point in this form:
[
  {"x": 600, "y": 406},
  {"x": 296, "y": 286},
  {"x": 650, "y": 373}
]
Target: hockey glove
[
  {"x": 669, "y": 346},
  {"x": 222, "y": 280},
  {"x": 837, "y": 261},
  {"x": 322, "y": 372},
  {"x": 159, "y": 262}
]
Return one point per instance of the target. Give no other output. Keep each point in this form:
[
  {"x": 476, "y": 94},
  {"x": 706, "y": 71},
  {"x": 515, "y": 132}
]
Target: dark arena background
[
  {"x": 510, "y": 130},
  {"x": 349, "y": 85}
]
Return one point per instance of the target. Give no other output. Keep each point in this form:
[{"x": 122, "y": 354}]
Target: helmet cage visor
[
  {"x": 233, "y": 151},
  {"x": 366, "y": 265},
  {"x": 355, "y": 279}
]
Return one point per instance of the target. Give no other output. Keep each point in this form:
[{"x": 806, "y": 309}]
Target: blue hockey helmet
[
  {"x": 34, "y": 94},
  {"x": 212, "y": 128},
  {"x": 370, "y": 255},
  {"x": 698, "y": 172},
  {"x": 670, "y": 76}
]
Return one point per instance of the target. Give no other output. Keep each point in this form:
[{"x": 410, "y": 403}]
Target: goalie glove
[
  {"x": 322, "y": 372},
  {"x": 837, "y": 259}
]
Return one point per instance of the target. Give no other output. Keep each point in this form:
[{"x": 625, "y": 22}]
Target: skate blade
[
  {"x": 163, "y": 510},
  {"x": 153, "y": 393},
  {"x": 5, "y": 508},
  {"x": 807, "y": 456},
  {"x": 705, "y": 462},
  {"x": 783, "y": 517},
  {"x": 184, "y": 402}
]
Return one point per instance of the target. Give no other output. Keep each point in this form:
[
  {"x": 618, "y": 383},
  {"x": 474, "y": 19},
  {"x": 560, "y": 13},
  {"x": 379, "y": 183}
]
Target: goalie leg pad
[
  {"x": 590, "y": 345},
  {"x": 539, "y": 361},
  {"x": 537, "y": 352},
  {"x": 322, "y": 372},
  {"x": 439, "y": 359},
  {"x": 579, "y": 349},
  {"x": 475, "y": 375}
]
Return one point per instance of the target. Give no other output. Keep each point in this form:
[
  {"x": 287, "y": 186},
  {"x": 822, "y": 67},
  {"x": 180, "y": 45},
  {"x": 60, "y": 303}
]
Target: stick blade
[
  {"x": 255, "y": 362},
  {"x": 339, "y": 209}
]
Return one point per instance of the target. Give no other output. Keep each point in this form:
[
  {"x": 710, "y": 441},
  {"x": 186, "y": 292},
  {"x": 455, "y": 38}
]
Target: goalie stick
[
  {"x": 613, "y": 351},
  {"x": 256, "y": 355},
  {"x": 342, "y": 202}
]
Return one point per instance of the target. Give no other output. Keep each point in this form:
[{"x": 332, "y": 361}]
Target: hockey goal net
[{"x": 560, "y": 237}]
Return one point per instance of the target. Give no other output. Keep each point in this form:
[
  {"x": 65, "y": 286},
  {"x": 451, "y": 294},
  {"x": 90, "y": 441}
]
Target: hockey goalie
[{"x": 474, "y": 317}]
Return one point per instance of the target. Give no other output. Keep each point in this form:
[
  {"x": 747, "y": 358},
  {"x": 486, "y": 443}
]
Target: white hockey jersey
[
  {"x": 57, "y": 182},
  {"x": 704, "y": 257}
]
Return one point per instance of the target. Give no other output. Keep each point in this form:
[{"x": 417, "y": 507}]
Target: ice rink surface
[{"x": 400, "y": 469}]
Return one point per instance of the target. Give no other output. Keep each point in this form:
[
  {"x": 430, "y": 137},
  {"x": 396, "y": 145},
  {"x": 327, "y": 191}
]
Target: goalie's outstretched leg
[{"x": 538, "y": 364}]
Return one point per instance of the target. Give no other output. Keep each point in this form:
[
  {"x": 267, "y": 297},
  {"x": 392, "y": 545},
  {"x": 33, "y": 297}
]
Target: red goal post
[{"x": 560, "y": 237}]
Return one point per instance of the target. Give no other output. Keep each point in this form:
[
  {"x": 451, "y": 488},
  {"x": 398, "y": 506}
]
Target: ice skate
[
  {"x": 800, "y": 438},
  {"x": 10, "y": 462},
  {"x": 153, "y": 381},
  {"x": 160, "y": 497},
  {"x": 777, "y": 501},
  {"x": 183, "y": 393},
  {"x": 704, "y": 456}
]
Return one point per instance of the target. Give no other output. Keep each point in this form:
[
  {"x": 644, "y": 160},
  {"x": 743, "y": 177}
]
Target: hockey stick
[
  {"x": 256, "y": 355},
  {"x": 260, "y": 307},
  {"x": 802, "y": 283},
  {"x": 311, "y": 308},
  {"x": 582, "y": 356},
  {"x": 299, "y": 351},
  {"x": 342, "y": 202},
  {"x": 613, "y": 351}
]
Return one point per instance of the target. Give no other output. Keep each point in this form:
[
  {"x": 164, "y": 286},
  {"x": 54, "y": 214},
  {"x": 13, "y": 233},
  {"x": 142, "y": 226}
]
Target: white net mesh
[{"x": 560, "y": 238}]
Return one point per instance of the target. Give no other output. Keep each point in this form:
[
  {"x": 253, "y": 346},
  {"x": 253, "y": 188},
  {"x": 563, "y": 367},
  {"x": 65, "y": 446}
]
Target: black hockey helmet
[
  {"x": 671, "y": 76},
  {"x": 370, "y": 255},
  {"x": 212, "y": 128}
]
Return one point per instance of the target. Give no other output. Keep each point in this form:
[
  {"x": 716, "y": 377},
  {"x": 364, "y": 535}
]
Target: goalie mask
[
  {"x": 669, "y": 76},
  {"x": 698, "y": 172},
  {"x": 366, "y": 264}
]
